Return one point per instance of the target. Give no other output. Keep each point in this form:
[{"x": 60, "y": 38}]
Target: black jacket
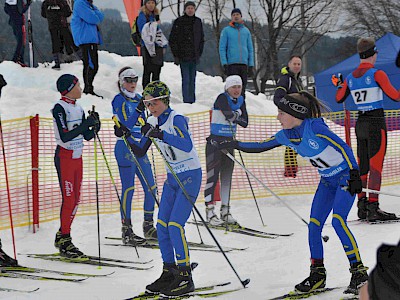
[
  {"x": 56, "y": 13},
  {"x": 288, "y": 83},
  {"x": 187, "y": 38},
  {"x": 16, "y": 12}
]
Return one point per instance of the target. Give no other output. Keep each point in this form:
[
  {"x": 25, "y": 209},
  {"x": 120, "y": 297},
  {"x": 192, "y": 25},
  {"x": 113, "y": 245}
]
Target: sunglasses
[{"x": 131, "y": 79}]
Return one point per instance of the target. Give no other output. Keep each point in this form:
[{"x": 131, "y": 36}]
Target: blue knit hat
[
  {"x": 66, "y": 83},
  {"x": 236, "y": 10}
]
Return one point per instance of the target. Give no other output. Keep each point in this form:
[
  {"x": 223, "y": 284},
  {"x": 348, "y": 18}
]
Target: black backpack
[{"x": 135, "y": 34}]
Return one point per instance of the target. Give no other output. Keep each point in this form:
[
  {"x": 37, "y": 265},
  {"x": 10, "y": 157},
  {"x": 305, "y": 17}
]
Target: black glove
[
  {"x": 225, "y": 69},
  {"x": 122, "y": 131},
  {"x": 176, "y": 61},
  {"x": 149, "y": 130},
  {"x": 354, "y": 183},
  {"x": 157, "y": 18},
  {"x": 140, "y": 108},
  {"x": 250, "y": 72},
  {"x": 224, "y": 144},
  {"x": 89, "y": 122}
]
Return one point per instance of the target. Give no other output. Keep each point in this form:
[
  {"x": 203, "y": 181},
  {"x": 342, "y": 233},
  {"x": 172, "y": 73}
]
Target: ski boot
[
  {"x": 226, "y": 215},
  {"x": 69, "y": 250},
  {"x": 315, "y": 281},
  {"x": 57, "y": 240},
  {"x": 166, "y": 278},
  {"x": 362, "y": 208},
  {"x": 57, "y": 65},
  {"x": 359, "y": 277},
  {"x": 149, "y": 231},
  {"x": 212, "y": 217},
  {"x": 182, "y": 284},
  {"x": 374, "y": 213},
  {"x": 5, "y": 260},
  {"x": 128, "y": 237}
]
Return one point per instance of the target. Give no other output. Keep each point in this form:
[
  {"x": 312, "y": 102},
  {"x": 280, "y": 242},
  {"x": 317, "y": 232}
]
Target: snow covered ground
[{"x": 274, "y": 266}]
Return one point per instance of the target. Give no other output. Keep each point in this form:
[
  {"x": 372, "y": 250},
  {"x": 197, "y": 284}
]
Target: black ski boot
[
  {"x": 69, "y": 250},
  {"x": 57, "y": 240},
  {"x": 182, "y": 284},
  {"x": 5, "y": 260},
  {"x": 57, "y": 65},
  {"x": 149, "y": 231},
  {"x": 359, "y": 277},
  {"x": 362, "y": 208},
  {"x": 128, "y": 237},
  {"x": 374, "y": 213},
  {"x": 166, "y": 278},
  {"x": 315, "y": 281}
]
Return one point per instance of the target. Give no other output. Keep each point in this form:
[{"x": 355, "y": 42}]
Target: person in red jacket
[{"x": 366, "y": 85}]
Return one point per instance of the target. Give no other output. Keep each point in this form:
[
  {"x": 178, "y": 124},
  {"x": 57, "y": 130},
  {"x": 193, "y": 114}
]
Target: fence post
[{"x": 34, "y": 126}]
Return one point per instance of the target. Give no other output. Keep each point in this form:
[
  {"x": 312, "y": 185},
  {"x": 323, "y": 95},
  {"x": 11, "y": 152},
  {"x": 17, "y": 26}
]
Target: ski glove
[
  {"x": 354, "y": 183},
  {"x": 176, "y": 61},
  {"x": 149, "y": 130},
  {"x": 337, "y": 80},
  {"x": 122, "y": 131},
  {"x": 140, "y": 108},
  {"x": 224, "y": 144}
]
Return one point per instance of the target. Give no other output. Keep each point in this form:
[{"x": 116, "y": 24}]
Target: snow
[{"x": 273, "y": 265}]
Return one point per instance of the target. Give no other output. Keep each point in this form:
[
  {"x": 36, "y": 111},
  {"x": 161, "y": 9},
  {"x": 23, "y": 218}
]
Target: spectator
[
  {"x": 367, "y": 85},
  {"x": 187, "y": 42},
  {"x": 84, "y": 24},
  {"x": 16, "y": 9},
  {"x": 153, "y": 41},
  {"x": 56, "y": 13},
  {"x": 289, "y": 83},
  {"x": 236, "y": 49},
  {"x": 69, "y": 44}
]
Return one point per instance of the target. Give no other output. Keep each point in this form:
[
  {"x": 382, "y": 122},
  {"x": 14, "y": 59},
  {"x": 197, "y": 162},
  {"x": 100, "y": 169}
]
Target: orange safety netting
[{"x": 267, "y": 166}]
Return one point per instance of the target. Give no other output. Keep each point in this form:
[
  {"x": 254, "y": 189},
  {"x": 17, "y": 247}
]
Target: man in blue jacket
[
  {"x": 84, "y": 25},
  {"x": 236, "y": 49}
]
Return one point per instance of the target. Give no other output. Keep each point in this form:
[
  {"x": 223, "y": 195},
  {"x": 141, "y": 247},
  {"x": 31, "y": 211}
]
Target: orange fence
[{"x": 35, "y": 193}]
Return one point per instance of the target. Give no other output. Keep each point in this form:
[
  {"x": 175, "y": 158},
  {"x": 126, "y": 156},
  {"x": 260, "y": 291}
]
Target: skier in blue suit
[
  {"x": 306, "y": 133},
  {"x": 128, "y": 107}
]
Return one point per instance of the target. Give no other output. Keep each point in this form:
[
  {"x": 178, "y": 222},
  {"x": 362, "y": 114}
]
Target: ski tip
[{"x": 245, "y": 282}]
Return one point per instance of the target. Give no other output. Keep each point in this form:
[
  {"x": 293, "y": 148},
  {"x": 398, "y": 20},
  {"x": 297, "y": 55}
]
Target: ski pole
[
  {"x": 97, "y": 189},
  {"x": 113, "y": 182},
  {"x": 248, "y": 179},
  {"x": 243, "y": 282},
  {"x": 365, "y": 190},
  {"x": 325, "y": 238},
  {"x": 2, "y": 84}
]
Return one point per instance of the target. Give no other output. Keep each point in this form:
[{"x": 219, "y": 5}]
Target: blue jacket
[
  {"x": 85, "y": 19},
  {"x": 236, "y": 46},
  {"x": 143, "y": 19}
]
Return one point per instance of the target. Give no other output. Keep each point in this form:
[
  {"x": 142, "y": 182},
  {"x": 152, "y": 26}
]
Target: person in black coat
[
  {"x": 16, "y": 9},
  {"x": 187, "y": 41},
  {"x": 56, "y": 12}
]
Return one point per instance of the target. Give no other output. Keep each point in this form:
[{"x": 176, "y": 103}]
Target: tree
[{"x": 374, "y": 18}]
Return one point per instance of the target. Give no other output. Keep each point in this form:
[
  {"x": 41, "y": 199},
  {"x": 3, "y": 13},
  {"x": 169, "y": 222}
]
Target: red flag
[{"x": 132, "y": 9}]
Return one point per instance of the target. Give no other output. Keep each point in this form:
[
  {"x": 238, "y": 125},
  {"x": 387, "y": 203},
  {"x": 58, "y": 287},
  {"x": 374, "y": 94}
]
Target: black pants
[
  {"x": 90, "y": 60},
  {"x": 218, "y": 165},
  {"x": 151, "y": 73},
  {"x": 241, "y": 70}
]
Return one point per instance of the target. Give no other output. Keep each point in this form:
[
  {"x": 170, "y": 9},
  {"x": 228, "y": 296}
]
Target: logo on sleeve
[{"x": 313, "y": 144}]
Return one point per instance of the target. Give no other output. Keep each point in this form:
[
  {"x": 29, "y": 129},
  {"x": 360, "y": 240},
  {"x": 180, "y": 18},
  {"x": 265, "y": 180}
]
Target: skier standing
[
  {"x": 229, "y": 110},
  {"x": 70, "y": 127},
  {"x": 171, "y": 131},
  {"x": 128, "y": 107},
  {"x": 306, "y": 132}
]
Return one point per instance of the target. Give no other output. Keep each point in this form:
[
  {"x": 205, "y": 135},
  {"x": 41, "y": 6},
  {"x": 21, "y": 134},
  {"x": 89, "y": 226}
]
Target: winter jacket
[
  {"x": 187, "y": 38},
  {"x": 143, "y": 19},
  {"x": 236, "y": 46},
  {"x": 152, "y": 36},
  {"x": 84, "y": 24},
  {"x": 56, "y": 13},
  {"x": 288, "y": 83},
  {"x": 16, "y": 9}
]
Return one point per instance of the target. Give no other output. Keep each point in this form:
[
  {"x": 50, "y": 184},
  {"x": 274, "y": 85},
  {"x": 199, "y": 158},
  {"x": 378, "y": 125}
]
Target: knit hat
[
  {"x": 236, "y": 10},
  {"x": 65, "y": 83},
  {"x": 298, "y": 108},
  {"x": 189, "y": 3},
  {"x": 233, "y": 80},
  {"x": 145, "y": 1}
]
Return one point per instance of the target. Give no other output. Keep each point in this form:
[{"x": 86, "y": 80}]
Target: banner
[{"x": 132, "y": 9}]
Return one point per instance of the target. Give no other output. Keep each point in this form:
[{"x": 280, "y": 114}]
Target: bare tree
[
  {"x": 371, "y": 17},
  {"x": 293, "y": 25}
]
